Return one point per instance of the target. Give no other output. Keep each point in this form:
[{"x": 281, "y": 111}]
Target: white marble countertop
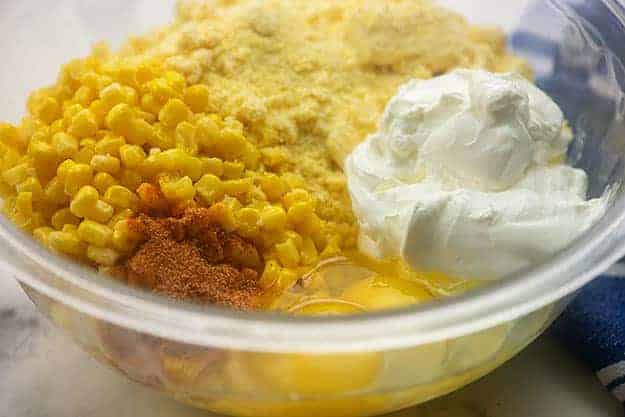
[{"x": 43, "y": 374}]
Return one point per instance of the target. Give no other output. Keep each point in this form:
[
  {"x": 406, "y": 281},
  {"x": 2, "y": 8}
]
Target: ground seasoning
[{"x": 190, "y": 257}]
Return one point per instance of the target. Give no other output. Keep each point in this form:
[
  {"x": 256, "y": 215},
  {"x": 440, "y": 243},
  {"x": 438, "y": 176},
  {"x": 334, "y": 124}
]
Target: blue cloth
[
  {"x": 577, "y": 48},
  {"x": 593, "y": 328}
]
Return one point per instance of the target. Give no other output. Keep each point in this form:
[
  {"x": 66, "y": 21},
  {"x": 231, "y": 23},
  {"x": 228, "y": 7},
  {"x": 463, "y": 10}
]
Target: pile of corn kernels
[{"x": 73, "y": 169}]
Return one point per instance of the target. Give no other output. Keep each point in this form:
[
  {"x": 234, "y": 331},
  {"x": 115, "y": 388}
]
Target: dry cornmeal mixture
[{"x": 244, "y": 111}]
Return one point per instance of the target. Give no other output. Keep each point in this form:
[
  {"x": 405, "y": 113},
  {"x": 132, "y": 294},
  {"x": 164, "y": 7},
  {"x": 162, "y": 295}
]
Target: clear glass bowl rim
[
  {"x": 520, "y": 294},
  {"x": 84, "y": 290}
]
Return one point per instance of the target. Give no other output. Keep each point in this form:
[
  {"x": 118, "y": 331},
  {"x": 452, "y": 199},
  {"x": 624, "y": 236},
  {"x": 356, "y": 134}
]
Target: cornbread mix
[{"x": 220, "y": 140}]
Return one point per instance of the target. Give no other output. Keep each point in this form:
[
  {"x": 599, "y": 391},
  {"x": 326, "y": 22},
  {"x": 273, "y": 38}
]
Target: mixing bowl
[{"x": 258, "y": 364}]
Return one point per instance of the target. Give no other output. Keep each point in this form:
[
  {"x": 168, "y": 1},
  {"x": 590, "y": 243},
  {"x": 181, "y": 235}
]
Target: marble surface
[{"x": 43, "y": 374}]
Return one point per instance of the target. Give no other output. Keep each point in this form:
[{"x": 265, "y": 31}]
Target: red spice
[{"x": 192, "y": 258}]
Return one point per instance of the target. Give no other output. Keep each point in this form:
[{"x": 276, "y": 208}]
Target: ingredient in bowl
[
  {"x": 192, "y": 258},
  {"x": 465, "y": 176}
]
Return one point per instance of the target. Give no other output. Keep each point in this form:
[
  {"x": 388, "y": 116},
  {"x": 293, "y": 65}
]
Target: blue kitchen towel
[
  {"x": 577, "y": 49},
  {"x": 593, "y": 327}
]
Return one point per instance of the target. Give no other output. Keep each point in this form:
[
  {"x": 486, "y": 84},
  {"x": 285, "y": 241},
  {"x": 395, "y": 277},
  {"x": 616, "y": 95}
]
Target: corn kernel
[
  {"x": 105, "y": 163},
  {"x": 17, "y": 174},
  {"x": 150, "y": 104},
  {"x": 69, "y": 228},
  {"x": 233, "y": 170},
  {"x": 109, "y": 145},
  {"x": 77, "y": 176},
  {"x": 173, "y": 113},
  {"x": 65, "y": 145},
  {"x": 299, "y": 212},
  {"x": 297, "y": 239},
  {"x": 103, "y": 256},
  {"x": 124, "y": 239},
  {"x": 197, "y": 98},
  {"x": 207, "y": 134},
  {"x": 66, "y": 242},
  {"x": 69, "y": 112},
  {"x": 84, "y": 200},
  {"x": 42, "y": 234},
  {"x": 10, "y": 136},
  {"x": 309, "y": 252},
  {"x": 224, "y": 216},
  {"x": 44, "y": 155},
  {"x": 231, "y": 145},
  {"x": 130, "y": 179},
  {"x": 84, "y": 124},
  {"x": 55, "y": 191},
  {"x": 271, "y": 274},
  {"x": 102, "y": 181},
  {"x": 140, "y": 132},
  {"x": 48, "y": 110},
  {"x": 121, "y": 197},
  {"x": 273, "y": 219},
  {"x": 84, "y": 95},
  {"x": 274, "y": 157},
  {"x": 237, "y": 188},
  {"x": 64, "y": 168},
  {"x": 95, "y": 233},
  {"x": 293, "y": 180},
  {"x": 120, "y": 119},
  {"x": 131, "y": 155},
  {"x": 120, "y": 216},
  {"x": 24, "y": 204},
  {"x": 287, "y": 252},
  {"x": 185, "y": 138},
  {"x": 62, "y": 217},
  {"x": 178, "y": 190},
  {"x": 213, "y": 166},
  {"x": 31, "y": 185},
  {"x": 273, "y": 186},
  {"x": 296, "y": 196},
  {"x": 210, "y": 189},
  {"x": 112, "y": 95},
  {"x": 248, "y": 219}
]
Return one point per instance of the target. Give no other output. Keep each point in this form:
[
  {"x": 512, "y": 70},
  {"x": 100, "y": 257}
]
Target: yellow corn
[
  {"x": 95, "y": 233},
  {"x": 17, "y": 174},
  {"x": 65, "y": 145},
  {"x": 83, "y": 124},
  {"x": 62, "y": 217},
  {"x": 84, "y": 200},
  {"x": 287, "y": 252},
  {"x": 309, "y": 254},
  {"x": 77, "y": 176},
  {"x": 105, "y": 163},
  {"x": 173, "y": 113},
  {"x": 273, "y": 219},
  {"x": 121, "y": 197},
  {"x": 233, "y": 170},
  {"x": 120, "y": 119},
  {"x": 102, "y": 256},
  {"x": 131, "y": 155},
  {"x": 66, "y": 242},
  {"x": 247, "y": 221},
  {"x": 102, "y": 181},
  {"x": 178, "y": 190},
  {"x": 185, "y": 138},
  {"x": 197, "y": 98},
  {"x": 124, "y": 239},
  {"x": 210, "y": 189},
  {"x": 213, "y": 166},
  {"x": 130, "y": 179},
  {"x": 273, "y": 186},
  {"x": 109, "y": 145},
  {"x": 31, "y": 185},
  {"x": 42, "y": 234}
]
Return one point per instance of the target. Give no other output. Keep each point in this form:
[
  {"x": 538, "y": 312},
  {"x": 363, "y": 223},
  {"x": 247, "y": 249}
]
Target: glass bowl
[{"x": 258, "y": 364}]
